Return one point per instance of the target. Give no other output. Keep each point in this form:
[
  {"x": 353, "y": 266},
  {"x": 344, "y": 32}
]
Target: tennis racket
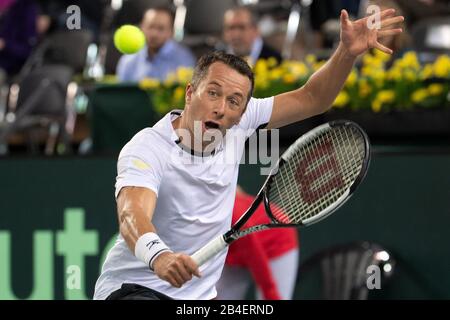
[{"x": 312, "y": 178}]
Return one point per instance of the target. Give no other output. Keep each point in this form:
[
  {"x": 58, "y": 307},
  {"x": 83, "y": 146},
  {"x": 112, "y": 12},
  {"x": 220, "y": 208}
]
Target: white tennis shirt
[{"x": 194, "y": 204}]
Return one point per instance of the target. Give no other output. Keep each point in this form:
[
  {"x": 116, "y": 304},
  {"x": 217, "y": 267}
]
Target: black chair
[
  {"x": 42, "y": 104},
  {"x": 344, "y": 270},
  {"x": 63, "y": 47},
  {"x": 202, "y": 23}
]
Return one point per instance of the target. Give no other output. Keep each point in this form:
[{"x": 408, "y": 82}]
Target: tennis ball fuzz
[{"x": 129, "y": 39}]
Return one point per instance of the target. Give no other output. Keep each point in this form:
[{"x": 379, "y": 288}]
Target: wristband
[{"x": 148, "y": 247}]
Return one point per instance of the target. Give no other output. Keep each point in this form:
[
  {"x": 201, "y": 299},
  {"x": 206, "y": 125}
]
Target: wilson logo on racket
[{"x": 318, "y": 173}]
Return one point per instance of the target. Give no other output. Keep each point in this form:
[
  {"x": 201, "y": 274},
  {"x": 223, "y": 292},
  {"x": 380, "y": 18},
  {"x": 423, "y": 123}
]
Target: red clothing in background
[{"x": 255, "y": 250}]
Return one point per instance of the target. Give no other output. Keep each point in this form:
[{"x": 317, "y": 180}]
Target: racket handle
[{"x": 209, "y": 250}]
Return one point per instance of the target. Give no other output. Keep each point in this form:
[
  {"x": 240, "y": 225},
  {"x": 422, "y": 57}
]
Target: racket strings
[{"x": 317, "y": 174}]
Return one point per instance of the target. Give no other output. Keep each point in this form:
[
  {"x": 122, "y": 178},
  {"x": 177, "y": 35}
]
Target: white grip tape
[{"x": 209, "y": 250}]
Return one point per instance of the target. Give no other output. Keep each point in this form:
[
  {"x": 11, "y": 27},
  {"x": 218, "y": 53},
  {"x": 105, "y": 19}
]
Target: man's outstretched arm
[{"x": 320, "y": 91}]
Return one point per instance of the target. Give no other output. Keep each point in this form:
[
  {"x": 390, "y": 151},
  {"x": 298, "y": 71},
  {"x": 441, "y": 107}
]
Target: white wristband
[{"x": 148, "y": 247}]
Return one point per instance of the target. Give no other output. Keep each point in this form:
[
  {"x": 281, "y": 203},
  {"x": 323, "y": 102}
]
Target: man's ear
[{"x": 188, "y": 93}]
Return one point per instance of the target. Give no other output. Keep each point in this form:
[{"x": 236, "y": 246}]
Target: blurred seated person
[
  {"x": 266, "y": 258},
  {"x": 161, "y": 56},
  {"x": 18, "y": 34},
  {"x": 242, "y": 37}
]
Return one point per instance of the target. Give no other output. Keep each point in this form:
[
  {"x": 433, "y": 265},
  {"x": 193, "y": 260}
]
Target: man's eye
[
  {"x": 212, "y": 93},
  {"x": 234, "y": 102}
]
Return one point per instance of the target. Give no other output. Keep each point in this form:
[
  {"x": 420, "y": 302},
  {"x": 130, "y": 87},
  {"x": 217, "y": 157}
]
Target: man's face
[
  {"x": 239, "y": 32},
  {"x": 157, "y": 27},
  {"x": 218, "y": 102}
]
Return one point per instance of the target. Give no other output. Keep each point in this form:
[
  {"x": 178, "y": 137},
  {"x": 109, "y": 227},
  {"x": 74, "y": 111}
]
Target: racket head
[{"x": 318, "y": 158}]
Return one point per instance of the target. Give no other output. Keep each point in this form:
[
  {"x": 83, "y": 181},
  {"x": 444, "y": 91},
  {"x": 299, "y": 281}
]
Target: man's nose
[{"x": 219, "y": 107}]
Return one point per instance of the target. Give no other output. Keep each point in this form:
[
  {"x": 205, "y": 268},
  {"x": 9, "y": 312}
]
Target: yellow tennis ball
[{"x": 129, "y": 39}]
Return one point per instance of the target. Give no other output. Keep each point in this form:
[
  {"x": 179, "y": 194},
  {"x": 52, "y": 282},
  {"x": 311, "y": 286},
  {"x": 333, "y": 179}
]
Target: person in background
[
  {"x": 161, "y": 56},
  {"x": 242, "y": 37},
  {"x": 267, "y": 258}
]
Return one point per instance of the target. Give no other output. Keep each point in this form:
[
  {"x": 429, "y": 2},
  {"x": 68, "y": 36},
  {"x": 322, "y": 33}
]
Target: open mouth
[{"x": 211, "y": 125}]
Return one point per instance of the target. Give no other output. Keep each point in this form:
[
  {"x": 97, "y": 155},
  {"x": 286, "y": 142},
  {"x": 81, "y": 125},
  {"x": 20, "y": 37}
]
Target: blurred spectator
[
  {"x": 18, "y": 34},
  {"x": 242, "y": 36},
  {"x": 268, "y": 257},
  {"x": 161, "y": 56}
]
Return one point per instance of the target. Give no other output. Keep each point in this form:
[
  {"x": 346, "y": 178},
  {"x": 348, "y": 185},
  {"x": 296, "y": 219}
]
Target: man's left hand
[{"x": 361, "y": 35}]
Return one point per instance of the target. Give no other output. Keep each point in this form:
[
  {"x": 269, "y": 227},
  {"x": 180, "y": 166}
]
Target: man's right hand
[{"x": 175, "y": 268}]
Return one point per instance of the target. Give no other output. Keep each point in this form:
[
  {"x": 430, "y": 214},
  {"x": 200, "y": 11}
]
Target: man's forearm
[{"x": 325, "y": 84}]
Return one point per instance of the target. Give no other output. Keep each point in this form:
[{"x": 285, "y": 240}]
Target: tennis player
[{"x": 168, "y": 207}]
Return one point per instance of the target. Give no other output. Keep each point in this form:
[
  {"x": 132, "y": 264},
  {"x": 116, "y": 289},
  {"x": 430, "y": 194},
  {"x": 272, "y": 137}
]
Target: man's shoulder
[{"x": 148, "y": 141}]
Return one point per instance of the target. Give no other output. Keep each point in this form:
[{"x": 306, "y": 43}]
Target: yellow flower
[
  {"x": 376, "y": 105},
  {"x": 261, "y": 67},
  {"x": 427, "y": 71},
  {"x": 352, "y": 78},
  {"x": 410, "y": 75},
  {"x": 184, "y": 75},
  {"x": 386, "y": 96},
  {"x": 364, "y": 88},
  {"x": 383, "y": 97},
  {"x": 341, "y": 100},
  {"x": 298, "y": 69},
  {"x": 149, "y": 84},
  {"x": 271, "y": 62},
  {"x": 394, "y": 73},
  {"x": 435, "y": 89},
  {"x": 178, "y": 94},
  {"x": 275, "y": 74},
  {"x": 261, "y": 82},
  {"x": 410, "y": 60},
  {"x": 419, "y": 95},
  {"x": 288, "y": 78},
  {"x": 442, "y": 66}
]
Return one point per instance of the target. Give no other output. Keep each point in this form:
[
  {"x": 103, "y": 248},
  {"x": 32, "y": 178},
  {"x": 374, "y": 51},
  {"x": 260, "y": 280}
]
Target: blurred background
[{"x": 69, "y": 101}]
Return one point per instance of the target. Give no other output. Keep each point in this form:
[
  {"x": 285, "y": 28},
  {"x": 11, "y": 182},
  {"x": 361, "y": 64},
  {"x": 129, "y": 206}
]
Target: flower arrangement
[
  {"x": 405, "y": 85},
  {"x": 372, "y": 85}
]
